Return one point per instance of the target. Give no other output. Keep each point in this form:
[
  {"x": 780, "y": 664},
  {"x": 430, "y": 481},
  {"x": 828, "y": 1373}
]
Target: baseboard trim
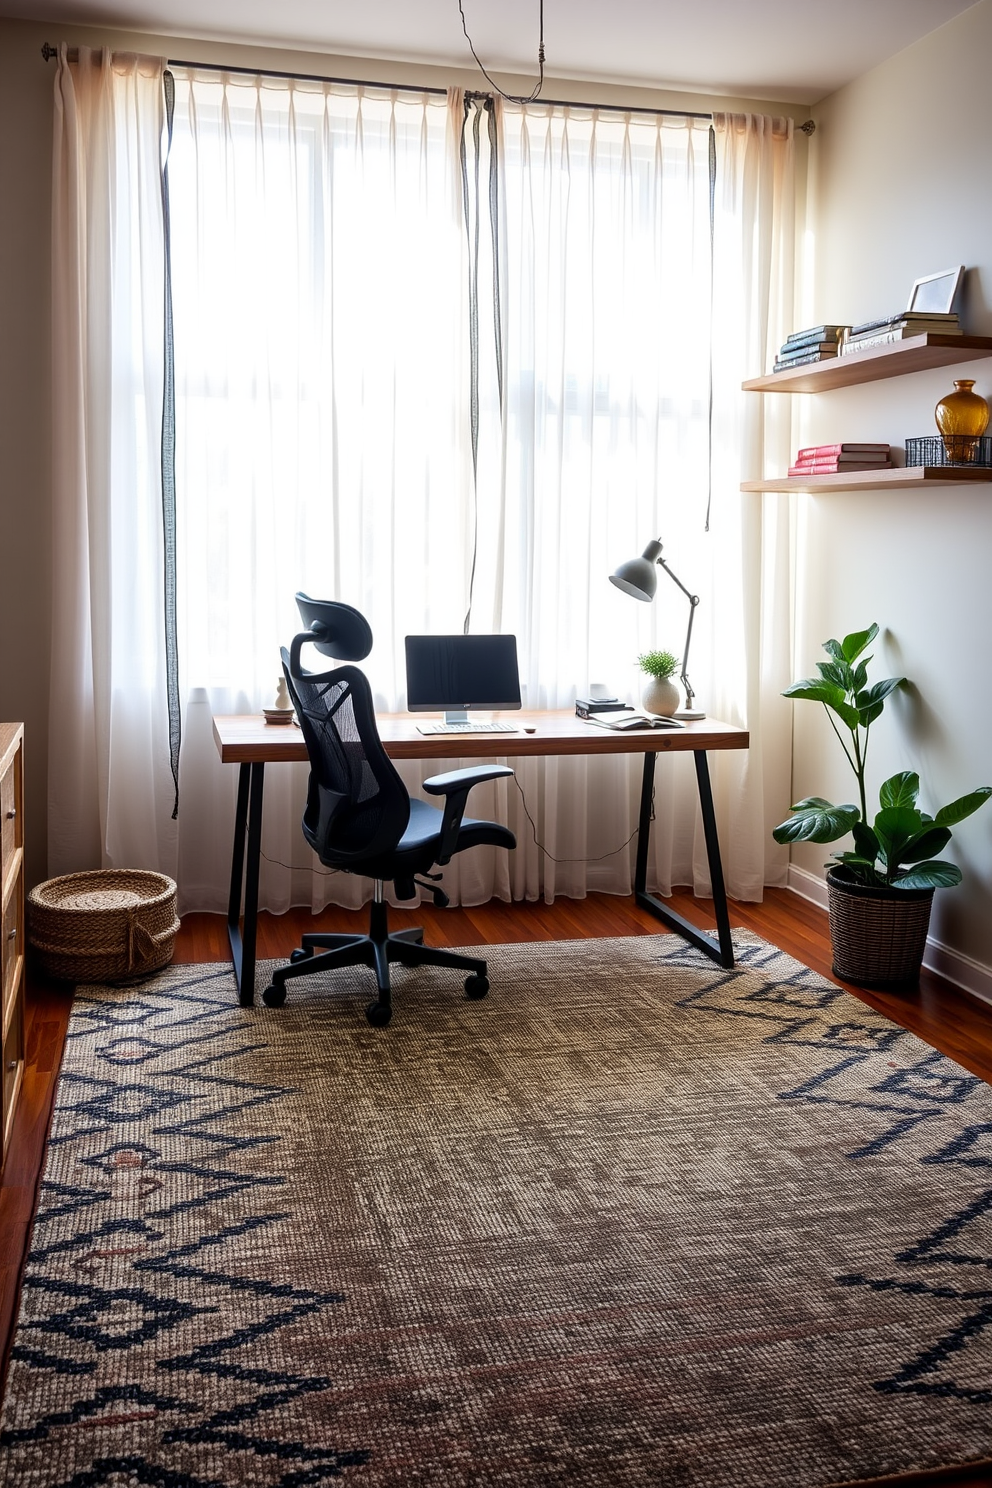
[{"x": 970, "y": 975}]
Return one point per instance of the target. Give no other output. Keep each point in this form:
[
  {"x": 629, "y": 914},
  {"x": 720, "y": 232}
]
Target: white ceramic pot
[{"x": 661, "y": 696}]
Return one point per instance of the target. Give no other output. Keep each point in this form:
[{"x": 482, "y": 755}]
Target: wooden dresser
[{"x": 12, "y": 879}]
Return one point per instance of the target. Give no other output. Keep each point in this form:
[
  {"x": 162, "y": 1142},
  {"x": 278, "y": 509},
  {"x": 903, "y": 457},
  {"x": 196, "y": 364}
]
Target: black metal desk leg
[
  {"x": 713, "y": 858},
  {"x": 720, "y": 950},
  {"x": 250, "y": 781}
]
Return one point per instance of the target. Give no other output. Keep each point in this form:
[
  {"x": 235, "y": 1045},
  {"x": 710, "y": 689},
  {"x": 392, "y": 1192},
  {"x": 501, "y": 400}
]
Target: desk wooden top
[{"x": 247, "y": 738}]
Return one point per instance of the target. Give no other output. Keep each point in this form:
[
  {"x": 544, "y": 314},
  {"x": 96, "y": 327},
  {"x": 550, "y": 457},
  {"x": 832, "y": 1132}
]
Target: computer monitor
[{"x": 454, "y": 674}]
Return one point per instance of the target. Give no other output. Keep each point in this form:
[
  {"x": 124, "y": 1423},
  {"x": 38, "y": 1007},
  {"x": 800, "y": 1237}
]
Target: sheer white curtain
[
  {"x": 110, "y": 783},
  {"x": 609, "y": 314},
  {"x": 605, "y": 282},
  {"x": 322, "y": 416},
  {"x": 753, "y": 540}
]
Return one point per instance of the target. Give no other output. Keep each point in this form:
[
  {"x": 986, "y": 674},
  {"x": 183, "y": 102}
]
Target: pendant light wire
[{"x": 510, "y": 98}]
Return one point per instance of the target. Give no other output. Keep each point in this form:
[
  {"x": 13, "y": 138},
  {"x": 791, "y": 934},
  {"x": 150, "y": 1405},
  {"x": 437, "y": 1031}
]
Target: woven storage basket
[
  {"x": 878, "y": 935},
  {"x": 111, "y": 925}
]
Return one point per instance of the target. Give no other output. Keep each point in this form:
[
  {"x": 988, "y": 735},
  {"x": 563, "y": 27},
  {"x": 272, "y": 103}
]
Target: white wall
[{"x": 901, "y": 186}]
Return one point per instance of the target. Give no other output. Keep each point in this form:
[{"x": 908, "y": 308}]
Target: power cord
[
  {"x": 331, "y": 872},
  {"x": 551, "y": 857}
]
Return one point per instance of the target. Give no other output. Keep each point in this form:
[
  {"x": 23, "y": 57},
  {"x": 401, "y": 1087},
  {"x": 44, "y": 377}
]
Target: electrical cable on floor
[{"x": 330, "y": 872}]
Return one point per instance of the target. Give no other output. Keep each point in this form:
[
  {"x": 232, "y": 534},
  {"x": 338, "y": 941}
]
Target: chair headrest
[{"x": 337, "y": 630}]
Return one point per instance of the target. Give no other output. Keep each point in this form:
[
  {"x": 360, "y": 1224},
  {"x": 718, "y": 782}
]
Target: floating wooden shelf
[
  {"x": 906, "y": 478},
  {"x": 915, "y": 354}
]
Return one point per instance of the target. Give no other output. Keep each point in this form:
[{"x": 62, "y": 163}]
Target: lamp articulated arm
[{"x": 693, "y": 602}]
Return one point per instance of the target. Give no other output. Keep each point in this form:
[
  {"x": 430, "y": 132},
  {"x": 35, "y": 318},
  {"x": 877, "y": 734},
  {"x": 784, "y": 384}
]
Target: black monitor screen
[{"x": 449, "y": 672}]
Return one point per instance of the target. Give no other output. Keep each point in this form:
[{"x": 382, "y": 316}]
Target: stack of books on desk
[
  {"x": 835, "y": 459},
  {"x": 897, "y": 328},
  {"x": 813, "y": 345}
]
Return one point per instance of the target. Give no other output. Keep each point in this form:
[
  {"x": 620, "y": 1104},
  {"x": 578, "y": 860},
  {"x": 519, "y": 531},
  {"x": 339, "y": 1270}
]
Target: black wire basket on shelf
[{"x": 955, "y": 450}]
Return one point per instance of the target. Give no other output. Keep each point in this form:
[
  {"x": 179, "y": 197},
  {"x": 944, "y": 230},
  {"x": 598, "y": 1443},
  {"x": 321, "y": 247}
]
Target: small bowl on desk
[{"x": 278, "y": 715}]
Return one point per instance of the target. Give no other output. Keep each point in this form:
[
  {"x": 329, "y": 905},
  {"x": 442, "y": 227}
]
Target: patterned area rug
[{"x": 632, "y": 1220}]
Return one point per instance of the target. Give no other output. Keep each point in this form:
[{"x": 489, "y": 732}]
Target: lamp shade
[{"x": 638, "y": 577}]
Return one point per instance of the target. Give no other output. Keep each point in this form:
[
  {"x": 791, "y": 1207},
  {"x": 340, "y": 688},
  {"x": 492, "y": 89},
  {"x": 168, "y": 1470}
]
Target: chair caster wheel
[
  {"x": 299, "y": 954},
  {"x": 274, "y": 995},
  {"x": 378, "y": 1014},
  {"x": 476, "y": 986}
]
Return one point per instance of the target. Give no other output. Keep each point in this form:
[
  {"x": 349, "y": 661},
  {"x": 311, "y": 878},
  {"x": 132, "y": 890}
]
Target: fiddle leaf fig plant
[{"x": 897, "y": 849}]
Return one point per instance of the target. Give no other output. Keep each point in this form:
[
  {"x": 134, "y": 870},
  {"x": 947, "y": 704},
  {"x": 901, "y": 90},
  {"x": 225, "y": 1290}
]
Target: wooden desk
[{"x": 251, "y": 743}]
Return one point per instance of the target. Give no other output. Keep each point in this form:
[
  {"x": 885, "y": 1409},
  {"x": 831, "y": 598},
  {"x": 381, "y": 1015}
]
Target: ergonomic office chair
[{"x": 360, "y": 818}]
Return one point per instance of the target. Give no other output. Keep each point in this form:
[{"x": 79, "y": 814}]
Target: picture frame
[{"x": 936, "y": 293}]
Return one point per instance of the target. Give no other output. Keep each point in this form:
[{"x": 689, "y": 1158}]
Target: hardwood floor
[{"x": 944, "y": 1016}]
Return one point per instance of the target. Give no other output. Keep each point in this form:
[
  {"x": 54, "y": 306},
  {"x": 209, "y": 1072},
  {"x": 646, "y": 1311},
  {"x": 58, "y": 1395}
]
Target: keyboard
[{"x": 467, "y": 728}]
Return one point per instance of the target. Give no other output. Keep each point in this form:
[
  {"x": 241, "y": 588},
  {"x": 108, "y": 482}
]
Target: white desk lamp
[{"x": 638, "y": 578}]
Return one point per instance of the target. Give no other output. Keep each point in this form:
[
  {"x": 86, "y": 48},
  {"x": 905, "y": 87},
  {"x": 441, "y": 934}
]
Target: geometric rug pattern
[{"x": 633, "y": 1219}]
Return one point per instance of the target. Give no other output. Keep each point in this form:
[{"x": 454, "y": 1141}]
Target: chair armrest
[
  {"x": 454, "y": 786},
  {"x": 441, "y": 785}
]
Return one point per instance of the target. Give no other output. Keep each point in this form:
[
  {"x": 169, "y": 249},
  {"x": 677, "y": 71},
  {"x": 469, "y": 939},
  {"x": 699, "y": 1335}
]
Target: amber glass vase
[{"x": 962, "y": 418}]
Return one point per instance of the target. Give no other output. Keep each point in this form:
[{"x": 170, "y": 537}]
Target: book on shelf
[
  {"x": 802, "y": 361},
  {"x": 814, "y": 333},
  {"x": 887, "y": 338},
  {"x": 933, "y": 320},
  {"x": 828, "y": 348},
  {"x": 850, "y": 459},
  {"x": 630, "y": 719},
  {"x": 837, "y": 467},
  {"x": 830, "y": 451}
]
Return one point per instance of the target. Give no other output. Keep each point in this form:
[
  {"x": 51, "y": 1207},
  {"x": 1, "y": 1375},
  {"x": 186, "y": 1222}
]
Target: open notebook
[{"x": 626, "y": 719}]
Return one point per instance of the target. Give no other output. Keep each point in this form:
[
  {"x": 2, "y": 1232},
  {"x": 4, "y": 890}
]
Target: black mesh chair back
[{"x": 357, "y": 805}]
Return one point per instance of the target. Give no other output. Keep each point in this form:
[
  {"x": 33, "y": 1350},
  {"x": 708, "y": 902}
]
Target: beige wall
[
  {"x": 901, "y": 186},
  {"x": 25, "y": 424}
]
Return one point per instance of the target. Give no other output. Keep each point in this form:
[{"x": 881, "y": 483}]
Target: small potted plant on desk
[
  {"x": 879, "y": 895},
  {"x": 660, "y": 695}
]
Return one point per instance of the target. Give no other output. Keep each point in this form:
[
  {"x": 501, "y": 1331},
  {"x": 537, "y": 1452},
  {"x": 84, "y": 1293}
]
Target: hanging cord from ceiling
[{"x": 492, "y": 83}]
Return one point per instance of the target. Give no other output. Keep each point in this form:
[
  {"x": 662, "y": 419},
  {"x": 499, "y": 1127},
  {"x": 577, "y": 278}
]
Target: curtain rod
[{"x": 49, "y": 52}]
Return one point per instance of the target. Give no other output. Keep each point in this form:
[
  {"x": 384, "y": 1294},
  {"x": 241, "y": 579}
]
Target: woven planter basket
[
  {"x": 111, "y": 925},
  {"x": 878, "y": 935}
]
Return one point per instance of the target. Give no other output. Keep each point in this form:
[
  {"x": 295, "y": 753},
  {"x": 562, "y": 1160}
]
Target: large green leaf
[
  {"x": 878, "y": 692},
  {"x": 816, "y": 820},
  {"x": 828, "y": 694},
  {"x": 865, "y": 841},
  {"x": 933, "y": 875},
  {"x": 895, "y": 828},
  {"x": 900, "y": 790},
  {"x": 853, "y": 645},
  {"x": 834, "y": 649},
  {"x": 963, "y": 806},
  {"x": 847, "y": 714},
  {"x": 859, "y": 678},
  {"x": 927, "y": 842},
  {"x": 837, "y": 672},
  {"x": 816, "y": 690}
]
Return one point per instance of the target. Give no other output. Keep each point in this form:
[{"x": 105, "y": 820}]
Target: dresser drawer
[
  {"x": 13, "y": 1064},
  {"x": 12, "y": 946},
  {"x": 11, "y": 816}
]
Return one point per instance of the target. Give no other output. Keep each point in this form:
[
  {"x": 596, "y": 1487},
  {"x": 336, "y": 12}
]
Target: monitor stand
[{"x": 455, "y": 715}]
